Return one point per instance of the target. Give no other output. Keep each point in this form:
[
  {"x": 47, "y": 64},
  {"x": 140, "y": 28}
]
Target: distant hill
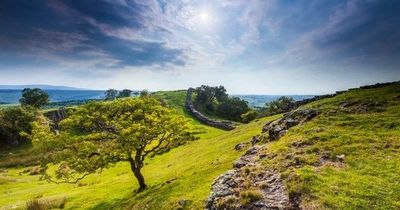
[
  {"x": 44, "y": 87},
  {"x": 12, "y": 96}
]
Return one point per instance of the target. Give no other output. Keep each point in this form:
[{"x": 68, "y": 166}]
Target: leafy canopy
[
  {"x": 34, "y": 97},
  {"x": 125, "y": 93},
  {"x": 100, "y": 134},
  {"x": 110, "y": 94},
  {"x": 15, "y": 124},
  {"x": 280, "y": 105},
  {"x": 215, "y": 101}
]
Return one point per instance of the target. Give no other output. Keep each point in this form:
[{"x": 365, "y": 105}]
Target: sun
[{"x": 204, "y": 16}]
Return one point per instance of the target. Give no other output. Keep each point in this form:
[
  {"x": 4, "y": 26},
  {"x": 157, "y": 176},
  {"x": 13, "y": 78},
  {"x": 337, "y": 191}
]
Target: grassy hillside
[
  {"x": 180, "y": 178},
  {"x": 349, "y": 156}
]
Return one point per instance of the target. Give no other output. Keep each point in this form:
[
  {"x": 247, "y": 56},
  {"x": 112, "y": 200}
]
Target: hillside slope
[
  {"x": 180, "y": 178},
  {"x": 347, "y": 157}
]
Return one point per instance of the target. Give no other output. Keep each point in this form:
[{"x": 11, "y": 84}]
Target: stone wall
[
  {"x": 316, "y": 98},
  {"x": 225, "y": 125},
  {"x": 55, "y": 116}
]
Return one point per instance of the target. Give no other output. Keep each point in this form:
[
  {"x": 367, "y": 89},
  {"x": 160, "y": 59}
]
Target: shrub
[{"x": 248, "y": 116}]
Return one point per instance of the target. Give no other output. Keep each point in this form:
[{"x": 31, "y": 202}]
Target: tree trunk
[{"x": 138, "y": 174}]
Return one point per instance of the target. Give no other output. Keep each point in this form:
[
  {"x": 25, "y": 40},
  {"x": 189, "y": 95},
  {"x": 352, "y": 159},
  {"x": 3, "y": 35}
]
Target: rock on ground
[
  {"x": 278, "y": 128},
  {"x": 265, "y": 187}
]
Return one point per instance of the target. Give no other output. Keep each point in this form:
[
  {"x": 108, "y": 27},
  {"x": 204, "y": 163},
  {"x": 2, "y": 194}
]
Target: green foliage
[
  {"x": 207, "y": 96},
  {"x": 249, "y": 116},
  {"x": 100, "y": 134},
  {"x": 280, "y": 105},
  {"x": 215, "y": 101},
  {"x": 144, "y": 93},
  {"x": 232, "y": 108},
  {"x": 125, "y": 93},
  {"x": 110, "y": 94},
  {"x": 34, "y": 97},
  {"x": 15, "y": 124}
]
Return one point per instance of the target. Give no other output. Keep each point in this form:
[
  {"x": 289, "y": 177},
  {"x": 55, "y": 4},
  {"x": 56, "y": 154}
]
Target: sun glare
[{"x": 204, "y": 16}]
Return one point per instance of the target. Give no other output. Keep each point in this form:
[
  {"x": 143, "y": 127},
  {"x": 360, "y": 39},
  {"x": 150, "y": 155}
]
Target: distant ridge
[{"x": 44, "y": 87}]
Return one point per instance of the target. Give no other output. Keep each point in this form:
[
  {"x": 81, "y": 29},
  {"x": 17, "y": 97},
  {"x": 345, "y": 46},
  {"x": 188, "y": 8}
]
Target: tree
[
  {"x": 100, "y": 134},
  {"x": 125, "y": 93},
  {"x": 220, "y": 93},
  {"x": 15, "y": 124},
  {"x": 232, "y": 108},
  {"x": 280, "y": 105},
  {"x": 34, "y": 97},
  {"x": 111, "y": 94},
  {"x": 205, "y": 98},
  {"x": 144, "y": 93}
]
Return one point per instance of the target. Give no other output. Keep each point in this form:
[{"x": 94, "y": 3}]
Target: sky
[{"x": 249, "y": 46}]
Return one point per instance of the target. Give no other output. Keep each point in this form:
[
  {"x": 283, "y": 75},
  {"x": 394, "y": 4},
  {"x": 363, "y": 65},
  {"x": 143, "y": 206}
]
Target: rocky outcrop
[
  {"x": 278, "y": 128},
  {"x": 247, "y": 186},
  {"x": 225, "y": 125}
]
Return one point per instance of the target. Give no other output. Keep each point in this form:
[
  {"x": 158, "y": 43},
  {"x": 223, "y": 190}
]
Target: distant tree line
[{"x": 112, "y": 94}]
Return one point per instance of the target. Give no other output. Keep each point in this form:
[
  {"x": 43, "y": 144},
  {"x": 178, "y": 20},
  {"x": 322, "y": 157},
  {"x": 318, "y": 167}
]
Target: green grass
[
  {"x": 368, "y": 178},
  {"x": 184, "y": 173}
]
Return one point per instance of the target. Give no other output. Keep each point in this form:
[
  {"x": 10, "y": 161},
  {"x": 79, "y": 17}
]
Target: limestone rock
[{"x": 279, "y": 128}]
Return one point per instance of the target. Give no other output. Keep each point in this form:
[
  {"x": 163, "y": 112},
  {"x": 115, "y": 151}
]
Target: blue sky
[{"x": 249, "y": 46}]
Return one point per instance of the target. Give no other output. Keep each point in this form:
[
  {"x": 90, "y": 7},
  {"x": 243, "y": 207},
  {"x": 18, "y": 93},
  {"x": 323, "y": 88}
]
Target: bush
[
  {"x": 16, "y": 124},
  {"x": 249, "y": 116}
]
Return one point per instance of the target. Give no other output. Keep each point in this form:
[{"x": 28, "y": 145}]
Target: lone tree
[
  {"x": 34, "y": 97},
  {"x": 110, "y": 94},
  {"x": 125, "y": 93},
  {"x": 100, "y": 134}
]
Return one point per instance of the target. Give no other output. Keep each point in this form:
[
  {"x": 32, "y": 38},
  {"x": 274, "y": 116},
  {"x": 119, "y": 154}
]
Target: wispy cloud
[{"x": 196, "y": 38}]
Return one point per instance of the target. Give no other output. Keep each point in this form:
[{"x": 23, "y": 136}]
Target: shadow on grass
[{"x": 149, "y": 198}]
